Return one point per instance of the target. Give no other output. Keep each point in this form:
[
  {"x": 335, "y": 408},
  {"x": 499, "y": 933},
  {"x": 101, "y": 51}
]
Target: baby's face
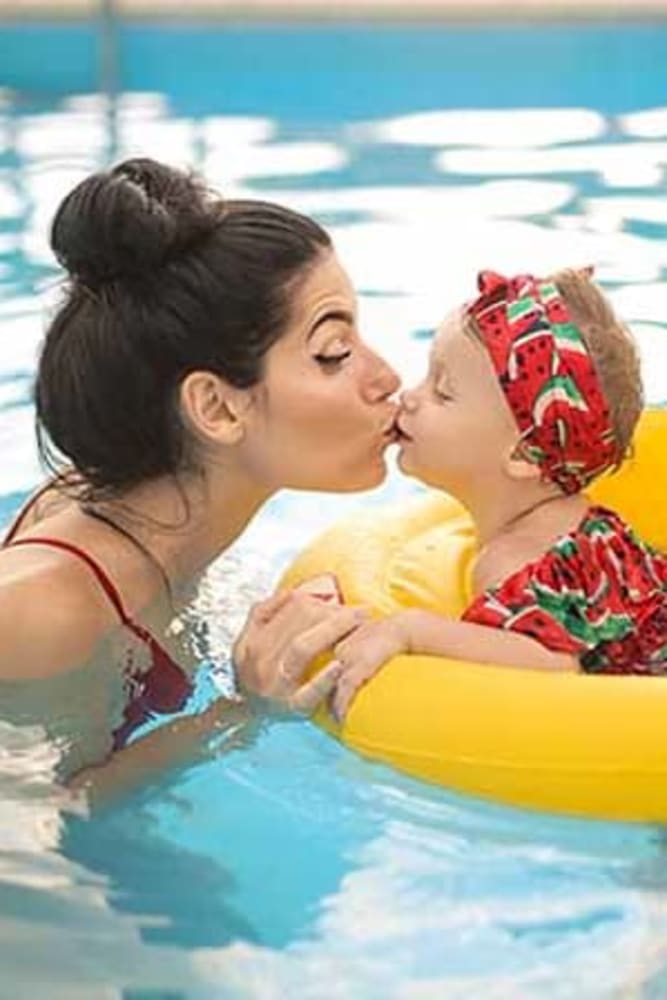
[{"x": 456, "y": 427}]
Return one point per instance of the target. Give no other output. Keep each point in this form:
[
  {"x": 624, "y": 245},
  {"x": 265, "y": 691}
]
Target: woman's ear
[
  {"x": 517, "y": 466},
  {"x": 213, "y": 409}
]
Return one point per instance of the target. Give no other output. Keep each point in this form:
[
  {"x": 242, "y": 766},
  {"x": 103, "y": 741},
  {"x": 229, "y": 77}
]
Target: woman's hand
[{"x": 281, "y": 638}]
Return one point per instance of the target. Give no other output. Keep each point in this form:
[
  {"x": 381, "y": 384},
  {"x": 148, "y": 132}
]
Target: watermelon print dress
[{"x": 599, "y": 593}]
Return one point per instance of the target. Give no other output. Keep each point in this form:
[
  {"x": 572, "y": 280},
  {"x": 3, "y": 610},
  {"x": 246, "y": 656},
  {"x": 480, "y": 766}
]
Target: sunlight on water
[
  {"x": 616, "y": 165},
  {"x": 650, "y": 124},
  {"x": 274, "y": 160},
  {"x": 515, "y": 128},
  {"x": 287, "y": 866}
]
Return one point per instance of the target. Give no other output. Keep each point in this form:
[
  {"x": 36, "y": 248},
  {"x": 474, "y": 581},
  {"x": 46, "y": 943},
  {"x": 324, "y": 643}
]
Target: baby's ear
[{"x": 517, "y": 466}]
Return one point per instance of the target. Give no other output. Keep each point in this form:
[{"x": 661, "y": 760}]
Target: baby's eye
[{"x": 443, "y": 395}]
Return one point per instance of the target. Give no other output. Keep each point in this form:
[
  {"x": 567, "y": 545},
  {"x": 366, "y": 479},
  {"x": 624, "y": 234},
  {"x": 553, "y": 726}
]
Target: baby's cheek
[{"x": 430, "y": 436}]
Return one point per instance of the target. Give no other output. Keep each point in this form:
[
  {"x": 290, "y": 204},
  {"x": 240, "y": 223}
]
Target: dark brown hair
[{"x": 165, "y": 278}]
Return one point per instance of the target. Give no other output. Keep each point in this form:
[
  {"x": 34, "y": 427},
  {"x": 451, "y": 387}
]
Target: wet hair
[
  {"x": 612, "y": 349},
  {"x": 165, "y": 278}
]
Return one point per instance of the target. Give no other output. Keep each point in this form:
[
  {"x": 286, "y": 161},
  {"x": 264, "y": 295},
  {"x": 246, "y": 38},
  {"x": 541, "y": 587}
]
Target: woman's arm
[
  {"x": 415, "y": 631},
  {"x": 281, "y": 638},
  {"x": 174, "y": 743},
  {"x": 47, "y": 629},
  {"x": 52, "y": 621},
  {"x": 50, "y": 624}
]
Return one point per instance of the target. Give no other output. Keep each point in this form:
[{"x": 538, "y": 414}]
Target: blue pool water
[{"x": 279, "y": 864}]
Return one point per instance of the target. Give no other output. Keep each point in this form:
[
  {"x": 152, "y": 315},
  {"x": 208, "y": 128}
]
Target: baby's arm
[
  {"x": 415, "y": 631},
  {"x": 436, "y": 636}
]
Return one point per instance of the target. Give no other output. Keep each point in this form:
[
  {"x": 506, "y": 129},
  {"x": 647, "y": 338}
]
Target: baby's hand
[{"x": 361, "y": 654}]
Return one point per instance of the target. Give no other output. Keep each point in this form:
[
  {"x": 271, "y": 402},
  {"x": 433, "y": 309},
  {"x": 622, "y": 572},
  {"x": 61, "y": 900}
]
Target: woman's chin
[
  {"x": 373, "y": 475},
  {"x": 368, "y": 476}
]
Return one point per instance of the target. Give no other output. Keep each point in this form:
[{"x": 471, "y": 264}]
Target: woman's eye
[{"x": 332, "y": 360}]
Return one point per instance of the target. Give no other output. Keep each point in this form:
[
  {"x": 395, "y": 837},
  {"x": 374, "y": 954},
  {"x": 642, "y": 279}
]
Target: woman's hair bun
[{"x": 126, "y": 223}]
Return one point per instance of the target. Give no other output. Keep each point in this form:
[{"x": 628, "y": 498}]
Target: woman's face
[{"x": 322, "y": 417}]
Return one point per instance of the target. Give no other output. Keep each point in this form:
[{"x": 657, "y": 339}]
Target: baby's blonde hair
[{"x": 613, "y": 351}]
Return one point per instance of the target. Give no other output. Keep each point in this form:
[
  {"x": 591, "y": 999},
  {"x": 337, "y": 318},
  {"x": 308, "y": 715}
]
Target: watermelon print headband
[{"x": 547, "y": 376}]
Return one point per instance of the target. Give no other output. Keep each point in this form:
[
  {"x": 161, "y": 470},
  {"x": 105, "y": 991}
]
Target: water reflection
[
  {"x": 515, "y": 127},
  {"x": 649, "y": 124},
  {"x": 637, "y": 164}
]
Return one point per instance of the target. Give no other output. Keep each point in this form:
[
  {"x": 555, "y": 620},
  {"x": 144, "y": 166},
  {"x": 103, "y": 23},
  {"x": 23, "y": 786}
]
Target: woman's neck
[{"x": 185, "y": 524}]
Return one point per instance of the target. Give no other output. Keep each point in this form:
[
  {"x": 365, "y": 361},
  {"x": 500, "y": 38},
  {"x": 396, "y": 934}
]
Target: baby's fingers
[
  {"x": 347, "y": 687},
  {"x": 315, "y": 691},
  {"x": 352, "y": 646}
]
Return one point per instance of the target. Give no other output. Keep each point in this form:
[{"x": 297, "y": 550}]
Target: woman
[{"x": 205, "y": 356}]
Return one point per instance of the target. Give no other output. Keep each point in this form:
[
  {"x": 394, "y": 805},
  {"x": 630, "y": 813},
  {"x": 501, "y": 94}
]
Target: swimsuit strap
[
  {"x": 174, "y": 686},
  {"x": 164, "y": 687},
  {"x": 102, "y": 577}
]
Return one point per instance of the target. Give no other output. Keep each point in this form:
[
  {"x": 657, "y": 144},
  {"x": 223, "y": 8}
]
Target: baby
[{"x": 533, "y": 390}]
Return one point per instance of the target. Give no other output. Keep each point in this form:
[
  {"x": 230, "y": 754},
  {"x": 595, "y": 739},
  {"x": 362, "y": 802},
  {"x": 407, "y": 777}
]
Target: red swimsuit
[
  {"x": 599, "y": 592},
  {"x": 164, "y": 687}
]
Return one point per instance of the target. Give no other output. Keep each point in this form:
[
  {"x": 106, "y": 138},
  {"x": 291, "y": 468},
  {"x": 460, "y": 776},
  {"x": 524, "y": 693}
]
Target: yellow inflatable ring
[{"x": 573, "y": 743}]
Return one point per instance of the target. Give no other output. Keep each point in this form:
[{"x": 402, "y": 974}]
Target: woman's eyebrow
[{"x": 339, "y": 315}]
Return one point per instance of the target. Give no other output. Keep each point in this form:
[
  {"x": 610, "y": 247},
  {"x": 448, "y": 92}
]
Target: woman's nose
[
  {"x": 408, "y": 399},
  {"x": 381, "y": 381}
]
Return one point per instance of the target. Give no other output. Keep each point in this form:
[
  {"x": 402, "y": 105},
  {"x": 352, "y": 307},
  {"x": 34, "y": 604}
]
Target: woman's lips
[
  {"x": 390, "y": 430},
  {"x": 401, "y": 434}
]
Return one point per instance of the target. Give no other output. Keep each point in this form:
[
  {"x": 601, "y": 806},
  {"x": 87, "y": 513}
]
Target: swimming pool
[{"x": 284, "y": 865}]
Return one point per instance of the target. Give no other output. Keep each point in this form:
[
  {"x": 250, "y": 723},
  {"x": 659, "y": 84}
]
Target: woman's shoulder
[
  {"x": 51, "y": 615},
  {"x": 46, "y": 500}
]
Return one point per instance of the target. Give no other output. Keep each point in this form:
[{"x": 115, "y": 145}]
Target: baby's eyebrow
[
  {"x": 443, "y": 378},
  {"x": 442, "y": 373},
  {"x": 438, "y": 363}
]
